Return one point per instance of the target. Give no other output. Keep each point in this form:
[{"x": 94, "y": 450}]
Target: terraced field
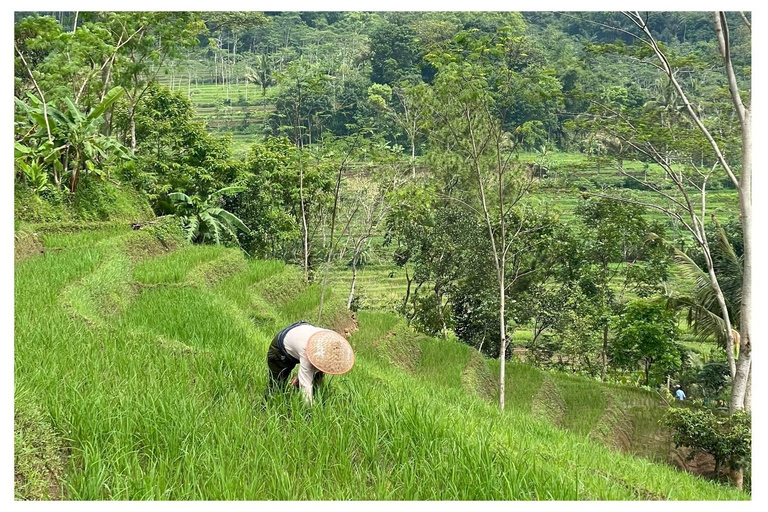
[
  {"x": 238, "y": 109},
  {"x": 140, "y": 369}
]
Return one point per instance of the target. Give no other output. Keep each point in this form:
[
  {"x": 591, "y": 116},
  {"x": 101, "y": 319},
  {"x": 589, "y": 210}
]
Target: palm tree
[
  {"x": 262, "y": 76},
  {"x": 204, "y": 219},
  {"x": 703, "y": 314}
]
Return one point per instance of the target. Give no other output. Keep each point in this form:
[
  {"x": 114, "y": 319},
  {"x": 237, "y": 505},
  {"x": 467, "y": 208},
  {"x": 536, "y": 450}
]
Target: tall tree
[
  {"x": 470, "y": 89},
  {"x": 679, "y": 150},
  {"x": 155, "y": 37},
  {"x": 409, "y": 113}
]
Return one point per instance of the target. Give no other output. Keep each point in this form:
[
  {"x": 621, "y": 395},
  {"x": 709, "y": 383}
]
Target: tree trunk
[
  {"x": 741, "y": 380},
  {"x": 604, "y": 355},
  {"x": 442, "y": 316},
  {"x": 409, "y": 318},
  {"x": 354, "y": 280},
  {"x": 723, "y": 311},
  {"x": 408, "y": 282},
  {"x": 73, "y": 178},
  {"x": 333, "y": 226},
  {"x": 748, "y": 392},
  {"x": 737, "y": 478},
  {"x": 132, "y": 121},
  {"x": 503, "y": 343},
  {"x": 305, "y": 236}
]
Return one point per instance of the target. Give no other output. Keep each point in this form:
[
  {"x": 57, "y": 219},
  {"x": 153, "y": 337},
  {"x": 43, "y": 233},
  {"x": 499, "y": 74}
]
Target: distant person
[
  {"x": 317, "y": 351},
  {"x": 679, "y": 394}
]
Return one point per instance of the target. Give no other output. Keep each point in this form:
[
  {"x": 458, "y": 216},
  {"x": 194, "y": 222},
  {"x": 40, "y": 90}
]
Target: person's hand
[{"x": 295, "y": 382}]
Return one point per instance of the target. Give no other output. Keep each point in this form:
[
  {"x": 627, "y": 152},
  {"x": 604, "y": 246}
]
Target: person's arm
[{"x": 306, "y": 376}]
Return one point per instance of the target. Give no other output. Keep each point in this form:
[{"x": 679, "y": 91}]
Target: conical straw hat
[{"x": 330, "y": 353}]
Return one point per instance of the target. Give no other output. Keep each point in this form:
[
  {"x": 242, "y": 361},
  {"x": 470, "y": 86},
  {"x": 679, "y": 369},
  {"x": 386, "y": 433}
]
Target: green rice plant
[
  {"x": 59, "y": 240},
  {"x": 173, "y": 267},
  {"x": 103, "y": 293},
  {"x": 231, "y": 262},
  {"x": 584, "y": 402},
  {"x": 443, "y": 362},
  {"x": 166, "y": 401},
  {"x": 241, "y": 287},
  {"x": 522, "y": 382},
  {"x": 280, "y": 288}
]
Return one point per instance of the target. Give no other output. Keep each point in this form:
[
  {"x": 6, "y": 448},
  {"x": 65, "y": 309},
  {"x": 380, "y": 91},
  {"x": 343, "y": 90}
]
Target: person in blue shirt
[{"x": 679, "y": 394}]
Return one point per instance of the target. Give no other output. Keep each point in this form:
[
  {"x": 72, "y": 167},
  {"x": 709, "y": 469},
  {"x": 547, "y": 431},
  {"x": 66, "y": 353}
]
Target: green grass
[
  {"x": 173, "y": 267},
  {"x": 38, "y": 462},
  {"x": 584, "y": 403},
  {"x": 162, "y": 399}
]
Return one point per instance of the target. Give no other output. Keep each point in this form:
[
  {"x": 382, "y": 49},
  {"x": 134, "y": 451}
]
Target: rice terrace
[{"x": 433, "y": 256}]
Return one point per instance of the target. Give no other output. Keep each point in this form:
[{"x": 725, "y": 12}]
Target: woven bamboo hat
[{"x": 330, "y": 352}]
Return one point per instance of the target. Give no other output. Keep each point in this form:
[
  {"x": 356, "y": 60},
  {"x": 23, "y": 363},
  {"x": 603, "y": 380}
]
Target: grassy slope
[{"x": 149, "y": 372}]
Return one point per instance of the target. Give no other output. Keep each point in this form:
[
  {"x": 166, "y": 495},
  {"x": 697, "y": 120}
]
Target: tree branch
[{"x": 668, "y": 69}]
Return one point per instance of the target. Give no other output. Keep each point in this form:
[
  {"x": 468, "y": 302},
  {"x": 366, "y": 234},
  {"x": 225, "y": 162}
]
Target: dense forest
[{"x": 569, "y": 190}]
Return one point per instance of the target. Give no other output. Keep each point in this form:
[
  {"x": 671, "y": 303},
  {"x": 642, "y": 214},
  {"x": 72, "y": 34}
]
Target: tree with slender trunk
[
  {"x": 469, "y": 99},
  {"x": 411, "y": 112},
  {"x": 686, "y": 201},
  {"x": 340, "y": 174},
  {"x": 740, "y": 367},
  {"x": 372, "y": 203}
]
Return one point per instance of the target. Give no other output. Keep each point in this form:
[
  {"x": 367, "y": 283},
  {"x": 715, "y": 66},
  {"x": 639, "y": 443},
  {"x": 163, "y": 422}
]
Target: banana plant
[
  {"x": 204, "y": 219},
  {"x": 34, "y": 174},
  {"x": 75, "y": 144}
]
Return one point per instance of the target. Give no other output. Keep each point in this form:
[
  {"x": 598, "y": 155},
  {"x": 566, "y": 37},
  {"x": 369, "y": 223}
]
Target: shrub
[
  {"x": 95, "y": 200},
  {"x": 727, "y": 438}
]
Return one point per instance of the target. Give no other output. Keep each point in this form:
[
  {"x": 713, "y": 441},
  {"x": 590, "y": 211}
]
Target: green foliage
[
  {"x": 204, "y": 220},
  {"x": 727, "y": 438},
  {"x": 396, "y": 53},
  {"x": 707, "y": 381},
  {"x": 703, "y": 313},
  {"x": 34, "y": 175},
  {"x": 38, "y": 451},
  {"x": 94, "y": 200},
  {"x": 277, "y": 175},
  {"x": 202, "y": 359},
  {"x": 645, "y": 332},
  {"x": 263, "y": 74},
  {"x": 174, "y": 151},
  {"x": 420, "y": 85},
  {"x": 68, "y": 141}
]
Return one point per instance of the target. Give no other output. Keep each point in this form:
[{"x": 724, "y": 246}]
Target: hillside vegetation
[
  {"x": 534, "y": 226},
  {"x": 140, "y": 369}
]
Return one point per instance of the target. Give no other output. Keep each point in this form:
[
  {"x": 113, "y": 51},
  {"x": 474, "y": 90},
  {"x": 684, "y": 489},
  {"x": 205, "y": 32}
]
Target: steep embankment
[{"x": 140, "y": 370}]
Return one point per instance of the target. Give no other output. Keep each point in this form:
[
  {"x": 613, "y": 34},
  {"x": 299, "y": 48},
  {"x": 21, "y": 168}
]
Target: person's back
[
  {"x": 315, "y": 350},
  {"x": 679, "y": 394}
]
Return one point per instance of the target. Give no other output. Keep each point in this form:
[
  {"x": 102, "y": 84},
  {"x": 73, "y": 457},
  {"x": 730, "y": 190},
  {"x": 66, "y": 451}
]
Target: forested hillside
[{"x": 561, "y": 195}]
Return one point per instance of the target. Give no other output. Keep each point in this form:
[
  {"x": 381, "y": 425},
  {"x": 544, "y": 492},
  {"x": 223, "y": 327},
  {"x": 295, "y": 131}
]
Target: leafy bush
[
  {"x": 45, "y": 207},
  {"x": 727, "y": 438},
  {"x": 644, "y": 333},
  {"x": 102, "y": 200}
]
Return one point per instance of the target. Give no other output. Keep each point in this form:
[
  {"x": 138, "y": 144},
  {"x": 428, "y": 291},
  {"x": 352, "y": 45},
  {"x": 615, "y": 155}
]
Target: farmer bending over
[
  {"x": 317, "y": 351},
  {"x": 679, "y": 394}
]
